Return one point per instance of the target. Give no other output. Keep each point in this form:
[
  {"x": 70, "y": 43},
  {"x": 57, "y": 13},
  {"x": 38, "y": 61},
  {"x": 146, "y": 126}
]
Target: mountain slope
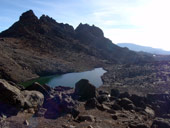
[
  {"x": 33, "y": 47},
  {"x": 139, "y": 48}
]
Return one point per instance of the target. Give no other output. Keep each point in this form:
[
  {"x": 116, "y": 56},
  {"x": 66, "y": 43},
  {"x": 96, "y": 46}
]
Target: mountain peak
[
  {"x": 86, "y": 28},
  {"x": 46, "y": 18},
  {"x": 28, "y": 16}
]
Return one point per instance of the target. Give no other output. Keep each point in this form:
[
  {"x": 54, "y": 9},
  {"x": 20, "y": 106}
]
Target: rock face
[
  {"x": 25, "y": 41},
  {"x": 12, "y": 96},
  {"x": 85, "y": 90}
]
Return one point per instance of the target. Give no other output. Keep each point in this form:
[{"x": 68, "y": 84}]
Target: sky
[{"x": 143, "y": 22}]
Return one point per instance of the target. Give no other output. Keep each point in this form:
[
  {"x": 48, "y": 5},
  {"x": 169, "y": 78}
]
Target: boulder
[
  {"x": 116, "y": 106},
  {"x": 126, "y": 104},
  {"x": 85, "y": 90},
  {"x": 91, "y": 103},
  {"x": 44, "y": 89},
  {"x": 102, "y": 92},
  {"x": 13, "y": 100},
  {"x": 161, "y": 123},
  {"x": 59, "y": 104},
  {"x": 124, "y": 101},
  {"x": 103, "y": 107},
  {"x": 89, "y": 118},
  {"x": 20, "y": 87},
  {"x": 138, "y": 125},
  {"x": 114, "y": 116},
  {"x": 138, "y": 101},
  {"x": 150, "y": 112},
  {"x": 124, "y": 95},
  {"x": 10, "y": 94},
  {"x": 41, "y": 112},
  {"x": 103, "y": 98},
  {"x": 115, "y": 92},
  {"x": 32, "y": 99}
]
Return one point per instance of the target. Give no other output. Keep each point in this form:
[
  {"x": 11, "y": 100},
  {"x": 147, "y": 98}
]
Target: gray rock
[
  {"x": 103, "y": 98},
  {"x": 44, "y": 89},
  {"x": 32, "y": 99},
  {"x": 10, "y": 94},
  {"x": 41, "y": 112},
  {"x": 103, "y": 107},
  {"x": 26, "y": 123},
  {"x": 150, "y": 112}
]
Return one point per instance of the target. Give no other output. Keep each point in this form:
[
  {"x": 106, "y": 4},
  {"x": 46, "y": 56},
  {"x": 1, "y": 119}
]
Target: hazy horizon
[{"x": 141, "y": 22}]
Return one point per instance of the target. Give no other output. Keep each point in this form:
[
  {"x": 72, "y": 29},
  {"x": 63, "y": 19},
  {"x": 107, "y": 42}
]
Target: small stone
[
  {"x": 150, "y": 112},
  {"x": 114, "y": 117},
  {"x": 68, "y": 126},
  {"x": 26, "y": 122},
  {"x": 90, "y": 126},
  {"x": 86, "y": 118},
  {"x": 41, "y": 112},
  {"x": 111, "y": 111},
  {"x": 31, "y": 110}
]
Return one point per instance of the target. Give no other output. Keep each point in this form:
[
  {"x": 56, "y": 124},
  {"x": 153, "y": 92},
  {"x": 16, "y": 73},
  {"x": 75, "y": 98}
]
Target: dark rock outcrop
[
  {"x": 91, "y": 103},
  {"x": 10, "y": 94},
  {"x": 161, "y": 123},
  {"x": 115, "y": 92},
  {"x": 85, "y": 90}
]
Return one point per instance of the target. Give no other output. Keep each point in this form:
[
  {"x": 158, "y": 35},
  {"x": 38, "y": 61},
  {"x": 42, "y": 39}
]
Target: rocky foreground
[{"x": 83, "y": 107}]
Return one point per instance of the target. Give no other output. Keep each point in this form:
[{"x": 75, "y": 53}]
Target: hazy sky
[{"x": 144, "y": 22}]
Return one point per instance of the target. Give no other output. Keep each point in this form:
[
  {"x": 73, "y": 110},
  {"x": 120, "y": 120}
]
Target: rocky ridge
[{"x": 40, "y": 46}]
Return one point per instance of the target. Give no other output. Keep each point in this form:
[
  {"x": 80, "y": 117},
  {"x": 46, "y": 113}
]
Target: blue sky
[{"x": 144, "y": 22}]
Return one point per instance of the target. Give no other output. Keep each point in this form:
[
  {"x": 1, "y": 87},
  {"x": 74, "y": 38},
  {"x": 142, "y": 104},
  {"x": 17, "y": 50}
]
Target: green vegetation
[{"x": 41, "y": 80}]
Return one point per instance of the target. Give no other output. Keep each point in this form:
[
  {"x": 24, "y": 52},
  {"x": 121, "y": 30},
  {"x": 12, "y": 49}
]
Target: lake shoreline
[{"x": 46, "y": 79}]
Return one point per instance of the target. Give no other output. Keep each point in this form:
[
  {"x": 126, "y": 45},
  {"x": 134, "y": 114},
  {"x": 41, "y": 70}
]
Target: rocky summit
[{"x": 34, "y": 47}]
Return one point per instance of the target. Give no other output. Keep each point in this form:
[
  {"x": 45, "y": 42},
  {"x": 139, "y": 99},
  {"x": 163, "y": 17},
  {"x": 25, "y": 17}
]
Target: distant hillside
[{"x": 140, "y": 48}]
